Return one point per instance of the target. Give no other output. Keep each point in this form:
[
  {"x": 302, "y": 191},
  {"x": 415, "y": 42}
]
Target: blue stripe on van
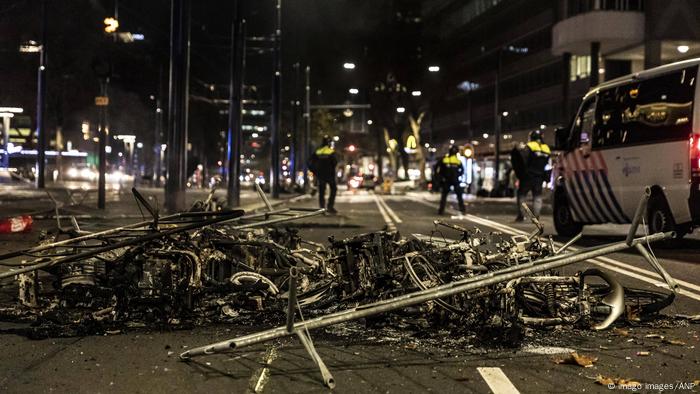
[
  {"x": 604, "y": 176},
  {"x": 599, "y": 212},
  {"x": 594, "y": 216},
  {"x": 614, "y": 215},
  {"x": 573, "y": 201}
]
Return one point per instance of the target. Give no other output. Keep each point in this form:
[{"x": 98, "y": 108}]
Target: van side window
[
  {"x": 584, "y": 124},
  {"x": 664, "y": 109},
  {"x": 657, "y": 109},
  {"x": 609, "y": 130}
]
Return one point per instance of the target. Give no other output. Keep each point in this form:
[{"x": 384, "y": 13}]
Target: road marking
[
  {"x": 389, "y": 223},
  {"x": 605, "y": 262},
  {"x": 263, "y": 374},
  {"x": 497, "y": 380},
  {"x": 390, "y": 211}
]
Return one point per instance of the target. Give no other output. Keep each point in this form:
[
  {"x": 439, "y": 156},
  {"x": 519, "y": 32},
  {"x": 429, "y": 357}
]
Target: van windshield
[{"x": 653, "y": 110}]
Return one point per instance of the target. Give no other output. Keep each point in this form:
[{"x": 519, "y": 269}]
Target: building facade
[{"x": 511, "y": 66}]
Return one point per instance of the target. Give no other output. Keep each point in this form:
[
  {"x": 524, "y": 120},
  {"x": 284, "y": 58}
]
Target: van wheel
[
  {"x": 660, "y": 219},
  {"x": 563, "y": 220}
]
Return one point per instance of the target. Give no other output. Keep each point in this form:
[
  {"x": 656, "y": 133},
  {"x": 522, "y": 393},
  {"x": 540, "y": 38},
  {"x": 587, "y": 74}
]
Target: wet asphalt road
[{"x": 368, "y": 360}]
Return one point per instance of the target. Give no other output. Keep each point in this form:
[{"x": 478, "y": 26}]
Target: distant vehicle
[
  {"x": 359, "y": 181},
  {"x": 82, "y": 172},
  {"x": 634, "y": 131},
  {"x": 355, "y": 182},
  {"x": 369, "y": 181}
]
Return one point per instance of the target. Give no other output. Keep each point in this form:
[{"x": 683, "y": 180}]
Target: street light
[
  {"x": 369, "y": 122},
  {"x": 349, "y": 66},
  {"x": 353, "y": 91},
  {"x": 505, "y": 114},
  {"x": 30, "y": 46},
  {"x": 434, "y": 69},
  {"x": 111, "y": 25}
]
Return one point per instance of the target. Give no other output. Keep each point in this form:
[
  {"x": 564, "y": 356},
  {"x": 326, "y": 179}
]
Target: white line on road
[
  {"x": 606, "y": 262},
  {"x": 497, "y": 380},
  {"x": 264, "y": 373},
  {"x": 389, "y": 224},
  {"x": 390, "y": 211}
]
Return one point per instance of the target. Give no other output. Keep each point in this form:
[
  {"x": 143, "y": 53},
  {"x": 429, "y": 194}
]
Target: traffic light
[{"x": 111, "y": 25}]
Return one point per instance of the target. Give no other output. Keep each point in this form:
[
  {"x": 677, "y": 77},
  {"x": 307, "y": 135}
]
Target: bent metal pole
[{"x": 420, "y": 297}]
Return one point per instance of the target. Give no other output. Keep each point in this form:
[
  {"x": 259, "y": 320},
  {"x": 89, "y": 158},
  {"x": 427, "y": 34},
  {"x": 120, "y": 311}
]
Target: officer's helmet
[{"x": 536, "y": 135}]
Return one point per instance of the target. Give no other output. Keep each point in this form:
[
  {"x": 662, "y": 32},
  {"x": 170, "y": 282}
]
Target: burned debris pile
[{"x": 203, "y": 267}]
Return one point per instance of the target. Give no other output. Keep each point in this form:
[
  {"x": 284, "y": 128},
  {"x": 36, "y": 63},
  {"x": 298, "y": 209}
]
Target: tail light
[{"x": 695, "y": 157}]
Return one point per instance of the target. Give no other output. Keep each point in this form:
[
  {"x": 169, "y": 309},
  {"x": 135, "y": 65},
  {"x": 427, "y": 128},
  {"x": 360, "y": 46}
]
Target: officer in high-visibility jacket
[
  {"x": 536, "y": 157},
  {"x": 448, "y": 173},
  {"x": 323, "y": 163}
]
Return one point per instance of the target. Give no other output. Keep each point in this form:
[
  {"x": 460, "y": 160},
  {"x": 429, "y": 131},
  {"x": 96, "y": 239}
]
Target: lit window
[{"x": 580, "y": 67}]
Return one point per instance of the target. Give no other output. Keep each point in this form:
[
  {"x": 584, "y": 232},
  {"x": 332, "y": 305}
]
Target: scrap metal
[{"x": 209, "y": 265}]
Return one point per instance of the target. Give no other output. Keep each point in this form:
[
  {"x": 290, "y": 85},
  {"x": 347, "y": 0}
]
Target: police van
[{"x": 631, "y": 132}]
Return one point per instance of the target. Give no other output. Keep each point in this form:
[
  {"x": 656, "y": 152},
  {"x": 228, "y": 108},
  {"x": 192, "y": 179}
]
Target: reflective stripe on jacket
[
  {"x": 325, "y": 151},
  {"x": 323, "y": 163},
  {"x": 537, "y": 160},
  {"x": 450, "y": 169},
  {"x": 539, "y": 149}
]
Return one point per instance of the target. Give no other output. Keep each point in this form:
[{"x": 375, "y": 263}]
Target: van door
[
  {"x": 578, "y": 176},
  {"x": 608, "y": 135}
]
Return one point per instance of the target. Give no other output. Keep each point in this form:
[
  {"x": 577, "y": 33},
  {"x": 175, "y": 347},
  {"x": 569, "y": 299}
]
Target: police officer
[
  {"x": 449, "y": 171},
  {"x": 536, "y": 157},
  {"x": 323, "y": 163}
]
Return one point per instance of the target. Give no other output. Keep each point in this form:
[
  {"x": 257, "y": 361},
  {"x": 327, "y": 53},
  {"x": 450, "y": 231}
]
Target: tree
[
  {"x": 415, "y": 132},
  {"x": 322, "y": 123}
]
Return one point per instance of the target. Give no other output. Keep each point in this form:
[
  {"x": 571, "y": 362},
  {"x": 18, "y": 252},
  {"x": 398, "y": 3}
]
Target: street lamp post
[
  {"x": 235, "y": 134},
  {"x": 307, "y": 128},
  {"x": 295, "y": 140},
  {"x": 497, "y": 125},
  {"x": 178, "y": 105},
  {"x": 41, "y": 101},
  {"x": 276, "y": 105},
  {"x": 101, "y": 154}
]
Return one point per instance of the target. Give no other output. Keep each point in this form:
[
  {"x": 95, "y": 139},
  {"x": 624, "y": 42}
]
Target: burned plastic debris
[{"x": 212, "y": 266}]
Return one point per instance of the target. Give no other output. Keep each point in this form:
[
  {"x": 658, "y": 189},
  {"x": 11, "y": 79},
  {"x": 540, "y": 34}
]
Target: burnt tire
[
  {"x": 563, "y": 219},
  {"x": 660, "y": 219}
]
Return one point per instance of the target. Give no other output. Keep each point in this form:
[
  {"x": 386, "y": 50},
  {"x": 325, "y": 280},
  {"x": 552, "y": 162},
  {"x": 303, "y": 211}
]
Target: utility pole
[
  {"x": 157, "y": 150},
  {"x": 497, "y": 126},
  {"x": 235, "y": 132},
  {"x": 307, "y": 129},
  {"x": 276, "y": 105},
  {"x": 101, "y": 154},
  {"x": 41, "y": 101},
  {"x": 296, "y": 141},
  {"x": 158, "y": 137},
  {"x": 178, "y": 105}
]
